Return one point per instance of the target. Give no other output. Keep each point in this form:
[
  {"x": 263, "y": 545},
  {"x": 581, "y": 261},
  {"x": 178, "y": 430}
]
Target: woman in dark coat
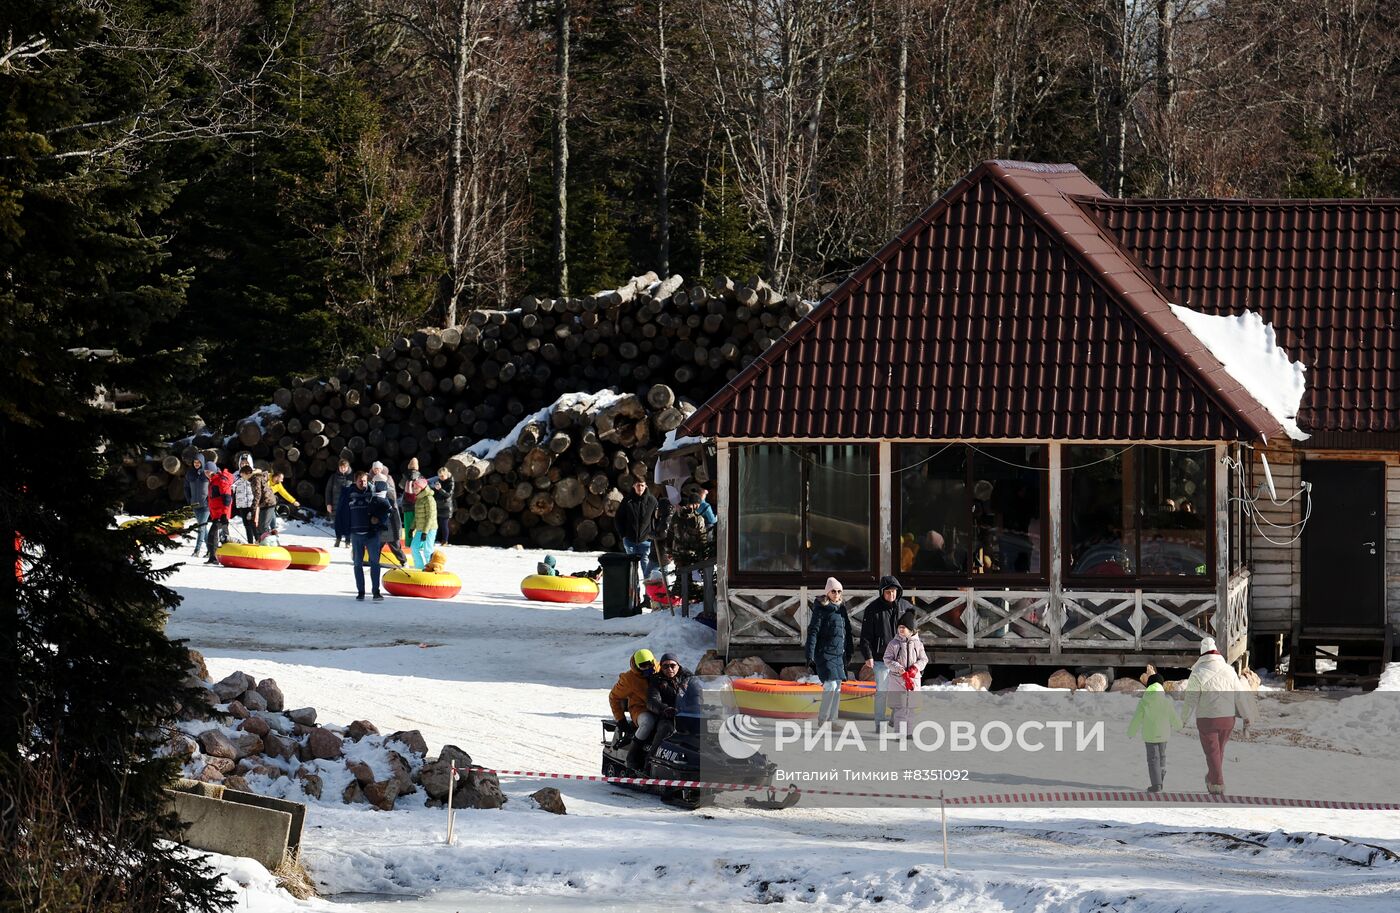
[{"x": 829, "y": 647}]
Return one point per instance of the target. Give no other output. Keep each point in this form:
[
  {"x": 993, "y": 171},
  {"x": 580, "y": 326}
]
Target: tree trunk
[{"x": 561, "y": 147}]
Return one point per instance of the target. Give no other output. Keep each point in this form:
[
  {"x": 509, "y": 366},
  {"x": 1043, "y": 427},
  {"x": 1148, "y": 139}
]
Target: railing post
[
  {"x": 802, "y": 615},
  {"x": 1222, "y": 552},
  {"x": 970, "y": 616}
]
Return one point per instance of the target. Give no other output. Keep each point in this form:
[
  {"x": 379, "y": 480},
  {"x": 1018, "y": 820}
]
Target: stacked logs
[{"x": 437, "y": 392}]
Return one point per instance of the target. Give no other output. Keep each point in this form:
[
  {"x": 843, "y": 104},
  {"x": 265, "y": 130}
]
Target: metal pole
[
  {"x": 944, "y": 803},
  {"x": 452, "y": 812}
]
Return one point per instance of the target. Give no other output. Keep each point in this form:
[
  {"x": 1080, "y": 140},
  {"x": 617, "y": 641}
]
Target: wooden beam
[
  {"x": 1052, "y": 550},
  {"x": 1222, "y": 550},
  {"x": 886, "y": 493},
  {"x": 726, "y": 511}
]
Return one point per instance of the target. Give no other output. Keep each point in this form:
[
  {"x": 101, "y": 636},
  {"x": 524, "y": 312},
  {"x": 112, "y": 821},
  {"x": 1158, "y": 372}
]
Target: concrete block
[
  {"x": 296, "y": 809},
  {"x": 232, "y": 828}
]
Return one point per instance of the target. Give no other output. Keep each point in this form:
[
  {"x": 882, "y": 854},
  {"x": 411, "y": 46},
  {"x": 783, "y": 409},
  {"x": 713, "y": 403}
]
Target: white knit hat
[
  {"x": 833, "y": 584},
  {"x": 1208, "y": 645}
]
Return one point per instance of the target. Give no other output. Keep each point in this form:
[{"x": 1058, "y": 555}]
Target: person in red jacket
[{"x": 220, "y": 507}]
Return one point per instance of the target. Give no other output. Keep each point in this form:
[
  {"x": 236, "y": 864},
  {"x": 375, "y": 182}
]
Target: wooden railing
[{"x": 1003, "y": 619}]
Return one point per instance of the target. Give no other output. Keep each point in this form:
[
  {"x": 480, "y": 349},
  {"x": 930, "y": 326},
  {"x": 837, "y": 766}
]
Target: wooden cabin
[{"x": 1003, "y": 409}]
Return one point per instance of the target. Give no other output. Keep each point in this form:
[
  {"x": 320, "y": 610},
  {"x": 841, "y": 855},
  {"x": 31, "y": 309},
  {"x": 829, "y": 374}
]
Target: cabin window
[
  {"x": 1142, "y": 511},
  {"x": 804, "y": 508},
  {"x": 968, "y": 511}
]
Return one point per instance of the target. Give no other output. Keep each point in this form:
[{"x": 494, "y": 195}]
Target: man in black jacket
[
  {"x": 635, "y": 522},
  {"x": 359, "y": 518},
  {"x": 876, "y": 631}
]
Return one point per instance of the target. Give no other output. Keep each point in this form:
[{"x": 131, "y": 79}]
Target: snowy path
[{"x": 523, "y": 684}]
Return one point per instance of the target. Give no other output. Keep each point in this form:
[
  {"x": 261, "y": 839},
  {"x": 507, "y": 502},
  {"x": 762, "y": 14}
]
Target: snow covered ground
[{"x": 522, "y": 685}]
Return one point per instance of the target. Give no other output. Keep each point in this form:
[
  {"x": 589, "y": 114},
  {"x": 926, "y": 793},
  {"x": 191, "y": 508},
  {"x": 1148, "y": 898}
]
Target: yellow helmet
[{"x": 642, "y": 657}]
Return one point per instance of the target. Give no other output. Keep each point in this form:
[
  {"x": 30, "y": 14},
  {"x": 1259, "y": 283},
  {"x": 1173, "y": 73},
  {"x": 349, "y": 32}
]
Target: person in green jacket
[
  {"x": 425, "y": 524},
  {"x": 1154, "y": 721}
]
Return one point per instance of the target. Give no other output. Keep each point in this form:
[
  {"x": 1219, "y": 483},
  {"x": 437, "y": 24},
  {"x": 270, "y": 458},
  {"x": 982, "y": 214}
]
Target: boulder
[
  {"x": 453, "y": 753},
  {"x": 180, "y": 746},
  {"x": 381, "y": 794},
  {"x": 198, "y": 668},
  {"x": 1127, "y": 686},
  {"x": 311, "y": 785},
  {"x": 279, "y": 746},
  {"x": 710, "y": 667},
  {"x": 749, "y": 665},
  {"x": 210, "y": 774},
  {"x": 237, "y": 710},
  {"x": 359, "y": 729},
  {"x": 435, "y": 777},
  {"x": 238, "y": 783},
  {"x": 271, "y": 695},
  {"x": 1063, "y": 678},
  {"x": 1151, "y": 671},
  {"x": 478, "y": 789},
  {"x": 1174, "y": 686},
  {"x": 324, "y": 744},
  {"x": 1250, "y": 679},
  {"x": 199, "y": 706},
  {"x": 231, "y": 687},
  {"x": 1094, "y": 681},
  {"x": 222, "y": 765},
  {"x": 361, "y": 772},
  {"x": 866, "y": 673},
  {"x": 792, "y": 673},
  {"x": 278, "y": 722},
  {"x": 246, "y": 743},
  {"x": 217, "y": 745},
  {"x": 257, "y": 726},
  {"x": 549, "y": 800},
  {"x": 352, "y": 793},
  {"x": 253, "y": 700},
  {"x": 306, "y": 716},
  {"x": 981, "y": 680},
  {"x": 412, "y": 739},
  {"x": 401, "y": 773}
]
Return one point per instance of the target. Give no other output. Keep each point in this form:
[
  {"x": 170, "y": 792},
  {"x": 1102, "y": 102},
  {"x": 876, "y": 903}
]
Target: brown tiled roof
[
  {"x": 1003, "y": 311},
  {"x": 1325, "y": 273}
]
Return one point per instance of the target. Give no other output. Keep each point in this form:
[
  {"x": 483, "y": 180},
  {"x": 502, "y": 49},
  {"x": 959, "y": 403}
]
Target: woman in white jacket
[{"x": 1215, "y": 694}]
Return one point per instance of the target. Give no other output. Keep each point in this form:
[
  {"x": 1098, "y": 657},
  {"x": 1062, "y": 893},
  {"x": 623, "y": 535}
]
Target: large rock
[
  {"x": 211, "y": 774},
  {"x": 222, "y": 765},
  {"x": 359, "y": 729},
  {"x": 1063, "y": 678},
  {"x": 412, "y": 739},
  {"x": 1094, "y": 681},
  {"x": 306, "y": 716},
  {"x": 200, "y": 705},
  {"x": 279, "y": 746},
  {"x": 792, "y": 673},
  {"x": 217, "y": 745},
  {"x": 238, "y": 783},
  {"x": 324, "y": 744},
  {"x": 381, "y": 794},
  {"x": 549, "y": 799},
  {"x": 478, "y": 790},
  {"x": 271, "y": 694},
  {"x": 749, "y": 665},
  {"x": 257, "y": 726},
  {"x": 1250, "y": 678},
  {"x": 180, "y": 746},
  {"x": 352, "y": 793},
  {"x": 710, "y": 667},
  {"x": 360, "y": 771},
  {"x": 1174, "y": 686},
  {"x": 401, "y": 773},
  {"x": 866, "y": 673},
  {"x": 231, "y": 687},
  {"x": 253, "y": 700},
  {"x": 198, "y": 668},
  {"x": 453, "y": 753},
  {"x": 237, "y": 710},
  {"x": 981, "y": 680},
  {"x": 246, "y": 743},
  {"x": 435, "y": 777},
  {"x": 1127, "y": 686},
  {"x": 278, "y": 721},
  {"x": 311, "y": 785}
]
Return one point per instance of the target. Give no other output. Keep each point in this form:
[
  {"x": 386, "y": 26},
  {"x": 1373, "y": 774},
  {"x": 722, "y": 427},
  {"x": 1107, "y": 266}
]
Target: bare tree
[{"x": 561, "y": 146}]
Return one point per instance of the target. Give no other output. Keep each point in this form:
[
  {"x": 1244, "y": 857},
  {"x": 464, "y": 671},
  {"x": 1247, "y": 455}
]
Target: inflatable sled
[
  {"x": 386, "y": 556},
  {"x": 779, "y": 699},
  {"x": 423, "y": 584},
  {"x": 254, "y": 557},
  {"x": 546, "y": 588},
  {"x": 308, "y": 558}
]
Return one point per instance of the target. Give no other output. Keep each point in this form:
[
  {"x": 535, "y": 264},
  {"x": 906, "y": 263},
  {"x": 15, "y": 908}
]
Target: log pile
[{"x": 442, "y": 395}]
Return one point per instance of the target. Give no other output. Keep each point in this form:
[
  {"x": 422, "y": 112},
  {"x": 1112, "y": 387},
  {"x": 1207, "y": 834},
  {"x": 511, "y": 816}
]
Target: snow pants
[
  {"x": 1215, "y": 734},
  {"x": 422, "y": 547},
  {"x": 1157, "y": 763}
]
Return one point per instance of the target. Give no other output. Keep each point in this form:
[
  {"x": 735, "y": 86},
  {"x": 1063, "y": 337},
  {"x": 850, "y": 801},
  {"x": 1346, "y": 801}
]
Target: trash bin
[{"x": 621, "y": 592}]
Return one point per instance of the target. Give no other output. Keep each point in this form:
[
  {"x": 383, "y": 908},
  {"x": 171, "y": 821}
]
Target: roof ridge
[{"x": 1240, "y": 202}]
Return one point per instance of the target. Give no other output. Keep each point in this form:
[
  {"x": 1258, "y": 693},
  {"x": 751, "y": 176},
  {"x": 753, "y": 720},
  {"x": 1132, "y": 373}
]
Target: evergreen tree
[
  {"x": 726, "y": 242},
  {"x": 89, "y": 677}
]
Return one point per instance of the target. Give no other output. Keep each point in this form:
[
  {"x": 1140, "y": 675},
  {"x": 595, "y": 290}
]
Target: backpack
[{"x": 689, "y": 539}]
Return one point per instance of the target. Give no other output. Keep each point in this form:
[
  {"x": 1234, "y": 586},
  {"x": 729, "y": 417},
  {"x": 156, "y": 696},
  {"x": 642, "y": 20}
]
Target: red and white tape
[{"x": 1034, "y": 798}]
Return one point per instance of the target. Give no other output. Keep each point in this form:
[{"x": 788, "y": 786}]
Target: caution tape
[{"x": 1070, "y": 797}]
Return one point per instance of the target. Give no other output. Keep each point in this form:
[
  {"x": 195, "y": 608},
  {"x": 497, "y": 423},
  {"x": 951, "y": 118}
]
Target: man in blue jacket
[{"x": 359, "y": 517}]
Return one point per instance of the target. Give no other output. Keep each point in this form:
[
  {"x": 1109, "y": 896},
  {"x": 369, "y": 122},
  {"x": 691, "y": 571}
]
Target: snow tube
[
  {"x": 423, "y": 584},
  {"x": 308, "y": 557},
  {"x": 254, "y": 557},
  {"x": 779, "y": 699},
  {"x": 548, "y": 588},
  {"x": 657, "y": 593},
  {"x": 386, "y": 556}
]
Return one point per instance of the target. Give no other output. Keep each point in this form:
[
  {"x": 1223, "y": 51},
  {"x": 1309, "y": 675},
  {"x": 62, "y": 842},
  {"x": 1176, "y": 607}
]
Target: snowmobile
[{"x": 682, "y": 750}]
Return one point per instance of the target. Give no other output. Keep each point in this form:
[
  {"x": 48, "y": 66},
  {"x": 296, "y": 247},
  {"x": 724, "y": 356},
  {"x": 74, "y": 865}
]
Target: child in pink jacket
[{"x": 905, "y": 659}]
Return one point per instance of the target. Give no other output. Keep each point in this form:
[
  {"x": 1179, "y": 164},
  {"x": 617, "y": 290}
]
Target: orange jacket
[{"x": 631, "y": 687}]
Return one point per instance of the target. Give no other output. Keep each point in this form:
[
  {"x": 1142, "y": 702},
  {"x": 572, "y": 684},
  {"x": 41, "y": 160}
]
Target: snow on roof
[
  {"x": 677, "y": 443},
  {"x": 487, "y": 449},
  {"x": 1249, "y": 350}
]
